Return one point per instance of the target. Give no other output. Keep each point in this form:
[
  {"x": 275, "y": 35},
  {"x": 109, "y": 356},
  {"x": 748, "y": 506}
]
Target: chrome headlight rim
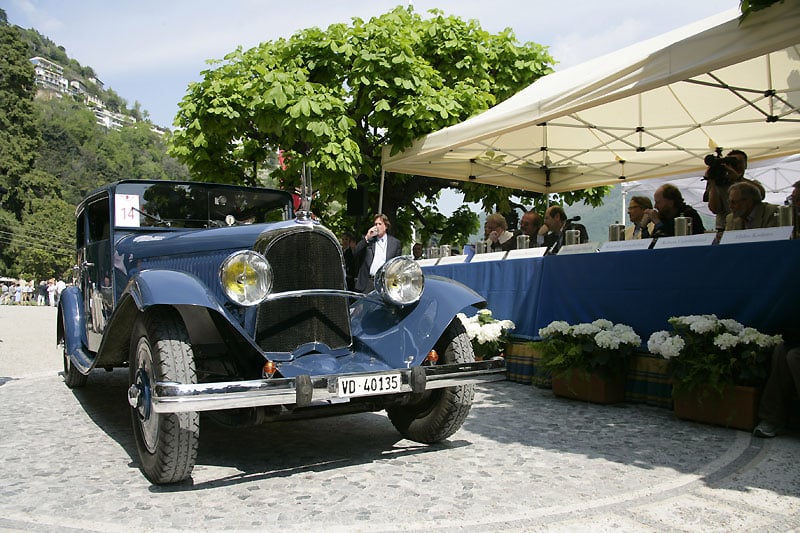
[
  {"x": 400, "y": 281},
  {"x": 246, "y": 277}
]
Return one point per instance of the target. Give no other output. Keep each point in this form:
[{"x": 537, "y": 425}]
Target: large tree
[
  {"x": 330, "y": 99},
  {"x": 19, "y": 137}
]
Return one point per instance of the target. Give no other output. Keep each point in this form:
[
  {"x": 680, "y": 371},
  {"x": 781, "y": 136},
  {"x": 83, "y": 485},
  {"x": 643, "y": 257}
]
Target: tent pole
[
  {"x": 380, "y": 196},
  {"x": 624, "y": 203}
]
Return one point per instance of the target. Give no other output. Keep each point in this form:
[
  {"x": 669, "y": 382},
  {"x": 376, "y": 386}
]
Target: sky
[{"x": 150, "y": 51}]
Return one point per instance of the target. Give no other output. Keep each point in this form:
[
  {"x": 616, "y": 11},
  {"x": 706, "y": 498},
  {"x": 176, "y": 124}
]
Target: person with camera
[
  {"x": 747, "y": 209},
  {"x": 669, "y": 205},
  {"x": 721, "y": 173}
]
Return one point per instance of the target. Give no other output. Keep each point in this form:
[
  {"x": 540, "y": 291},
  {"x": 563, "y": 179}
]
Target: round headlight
[
  {"x": 400, "y": 281},
  {"x": 246, "y": 277}
]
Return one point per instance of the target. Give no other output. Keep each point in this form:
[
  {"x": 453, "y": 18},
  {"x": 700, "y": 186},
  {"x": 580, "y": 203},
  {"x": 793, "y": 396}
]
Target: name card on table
[
  {"x": 703, "y": 239},
  {"x": 620, "y": 246},
  {"x": 491, "y": 256},
  {"x": 452, "y": 259},
  {"x": 427, "y": 262},
  {"x": 522, "y": 253},
  {"x": 781, "y": 233},
  {"x": 585, "y": 248}
]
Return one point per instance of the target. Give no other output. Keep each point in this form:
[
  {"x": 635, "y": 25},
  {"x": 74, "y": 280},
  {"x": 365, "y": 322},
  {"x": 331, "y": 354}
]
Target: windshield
[{"x": 197, "y": 205}]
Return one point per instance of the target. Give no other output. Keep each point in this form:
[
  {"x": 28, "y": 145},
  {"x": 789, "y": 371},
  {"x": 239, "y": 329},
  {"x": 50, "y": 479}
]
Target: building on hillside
[
  {"x": 49, "y": 76},
  {"x": 111, "y": 120}
]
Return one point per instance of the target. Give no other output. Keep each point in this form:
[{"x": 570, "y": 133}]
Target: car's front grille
[{"x": 303, "y": 259}]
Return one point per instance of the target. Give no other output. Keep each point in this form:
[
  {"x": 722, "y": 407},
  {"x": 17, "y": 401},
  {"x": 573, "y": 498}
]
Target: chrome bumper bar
[{"x": 304, "y": 390}]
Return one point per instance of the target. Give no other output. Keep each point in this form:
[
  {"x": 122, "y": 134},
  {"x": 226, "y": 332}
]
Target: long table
[{"x": 757, "y": 284}]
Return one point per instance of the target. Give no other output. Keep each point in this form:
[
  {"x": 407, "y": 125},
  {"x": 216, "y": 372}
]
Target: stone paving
[{"x": 524, "y": 461}]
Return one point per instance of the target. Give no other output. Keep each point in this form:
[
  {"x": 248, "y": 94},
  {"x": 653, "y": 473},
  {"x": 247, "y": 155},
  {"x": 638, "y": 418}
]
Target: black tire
[
  {"x": 440, "y": 412},
  {"x": 72, "y": 377},
  {"x": 160, "y": 351}
]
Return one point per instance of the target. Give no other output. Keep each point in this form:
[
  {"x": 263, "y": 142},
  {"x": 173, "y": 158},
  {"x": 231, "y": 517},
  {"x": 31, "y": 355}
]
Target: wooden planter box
[
  {"x": 736, "y": 407},
  {"x": 593, "y": 388}
]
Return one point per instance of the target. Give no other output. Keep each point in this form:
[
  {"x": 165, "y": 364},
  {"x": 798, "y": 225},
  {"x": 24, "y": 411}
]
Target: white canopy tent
[{"x": 650, "y": 110}]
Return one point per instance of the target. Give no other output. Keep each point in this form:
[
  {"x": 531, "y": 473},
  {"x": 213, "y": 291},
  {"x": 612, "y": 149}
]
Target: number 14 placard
[{"x": 127, "y": 210}]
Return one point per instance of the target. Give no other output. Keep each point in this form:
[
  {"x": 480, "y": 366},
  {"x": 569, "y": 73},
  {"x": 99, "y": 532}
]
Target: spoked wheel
[
  {"x": 160, "y": 351},
  {"x": 72, "y": 377},
  {"x": 440, "y": 412}
]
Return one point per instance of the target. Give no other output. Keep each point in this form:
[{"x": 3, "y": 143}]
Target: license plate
[{"x": 368, "y": 385}]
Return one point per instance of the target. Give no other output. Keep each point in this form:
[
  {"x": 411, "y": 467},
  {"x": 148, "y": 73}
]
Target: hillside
[{"x": 41, "y": 46}]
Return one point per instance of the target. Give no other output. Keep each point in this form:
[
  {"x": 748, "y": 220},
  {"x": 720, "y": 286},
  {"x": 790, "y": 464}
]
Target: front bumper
[{"x": 304, "y": 390}]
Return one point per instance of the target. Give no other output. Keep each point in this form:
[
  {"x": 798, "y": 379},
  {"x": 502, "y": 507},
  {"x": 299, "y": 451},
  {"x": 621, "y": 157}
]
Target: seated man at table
[
  {"x": 529, "y": 225},
  {"x": 636, "y": 209},
  {"x": 498, "y": 238},
  {"x": 747, "y": 211},
  {"x": 557, "y": 224},
  {"x": 669, "y": 205}
]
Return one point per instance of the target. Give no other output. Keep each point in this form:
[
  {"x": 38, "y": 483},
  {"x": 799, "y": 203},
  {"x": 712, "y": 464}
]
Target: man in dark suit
[
  {"x": 373, "y": 251},
  {"x": 557, "y": 223}
]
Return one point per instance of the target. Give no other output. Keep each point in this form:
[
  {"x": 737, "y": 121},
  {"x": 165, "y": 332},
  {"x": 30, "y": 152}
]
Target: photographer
[{"x": 721, "y": 173}]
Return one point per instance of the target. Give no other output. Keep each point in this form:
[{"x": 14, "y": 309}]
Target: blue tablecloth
[{"x": 757, "y": 284}]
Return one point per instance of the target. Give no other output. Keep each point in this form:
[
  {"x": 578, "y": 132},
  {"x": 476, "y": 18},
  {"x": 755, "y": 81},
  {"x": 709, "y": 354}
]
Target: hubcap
[{"x": 140, "y": 396}]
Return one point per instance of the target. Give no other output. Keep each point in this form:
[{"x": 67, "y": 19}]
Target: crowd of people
[{"x": 22, "y": 292}]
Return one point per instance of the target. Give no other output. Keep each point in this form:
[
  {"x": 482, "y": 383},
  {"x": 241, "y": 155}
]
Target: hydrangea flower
[
  {"x": 704, "y": 350},
  {"x": 486, "y": 333},
  {"x": 585, "y": 329},
  {"x": 726, "y": 341},
  {"x": 600, "y": 346}
]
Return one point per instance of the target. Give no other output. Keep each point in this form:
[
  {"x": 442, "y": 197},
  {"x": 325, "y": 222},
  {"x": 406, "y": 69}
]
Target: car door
[{"x": 96, "y": 272}]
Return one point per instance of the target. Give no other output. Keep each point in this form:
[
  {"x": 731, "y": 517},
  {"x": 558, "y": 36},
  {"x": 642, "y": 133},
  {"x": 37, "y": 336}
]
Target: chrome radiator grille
[{"x": 304, "y": 260}]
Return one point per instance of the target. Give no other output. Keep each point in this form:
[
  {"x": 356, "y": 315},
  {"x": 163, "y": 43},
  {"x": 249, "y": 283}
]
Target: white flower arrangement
[
  {"x": 486, "y": 332},
  {"x": 705, "y": 350},
  {"x": 599, "y": 346}
]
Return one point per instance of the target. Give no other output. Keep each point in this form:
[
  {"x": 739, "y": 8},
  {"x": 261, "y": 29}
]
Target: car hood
[{"x": 181, "y": 242}]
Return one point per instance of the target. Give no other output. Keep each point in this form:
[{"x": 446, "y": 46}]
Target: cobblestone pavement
[{"x": 524, "y": 461}]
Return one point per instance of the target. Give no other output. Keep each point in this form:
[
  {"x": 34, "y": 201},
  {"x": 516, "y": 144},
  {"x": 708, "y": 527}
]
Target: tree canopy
[{"x": 330, "y": 99}]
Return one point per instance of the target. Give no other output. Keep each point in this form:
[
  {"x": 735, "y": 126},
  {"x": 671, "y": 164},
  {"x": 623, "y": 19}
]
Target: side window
[
  {"x": 99, "y": 219},
  {"x": 80, "y": 230}
]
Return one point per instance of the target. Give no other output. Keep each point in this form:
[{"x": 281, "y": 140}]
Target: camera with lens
[{"x": 716, "y": 168}]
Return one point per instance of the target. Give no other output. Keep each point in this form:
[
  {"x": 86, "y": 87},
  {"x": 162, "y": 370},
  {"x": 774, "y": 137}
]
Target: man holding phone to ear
[{"x": 373, "y": 251}]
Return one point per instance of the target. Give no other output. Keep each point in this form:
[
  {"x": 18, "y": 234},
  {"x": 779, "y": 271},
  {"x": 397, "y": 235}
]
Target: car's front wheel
[
  {"x": 160, "y": 351},
  {"x": 440, "y": 412}
]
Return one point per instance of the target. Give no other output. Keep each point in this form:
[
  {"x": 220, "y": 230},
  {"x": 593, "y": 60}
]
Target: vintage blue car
[{"x": 222, "y": 299}]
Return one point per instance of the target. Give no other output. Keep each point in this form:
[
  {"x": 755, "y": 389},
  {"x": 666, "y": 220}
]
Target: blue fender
[
  {"x": 156, "y": 287},
  {"x": 71, "y": 327},
  {"x": 180, "y": 290},
  {"x": 395, "y": 334}
]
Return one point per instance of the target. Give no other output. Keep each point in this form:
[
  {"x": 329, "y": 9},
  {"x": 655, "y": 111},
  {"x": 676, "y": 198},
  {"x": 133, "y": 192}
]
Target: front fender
[
  {"x": 392, "y": 333},
  {"x": 186, "y": 293},
  {"x": 170, "y": 287},
  {"x": 71, "y": 328}
]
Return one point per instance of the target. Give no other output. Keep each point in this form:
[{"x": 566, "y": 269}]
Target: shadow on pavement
[{"x": 271, "y": 450}]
